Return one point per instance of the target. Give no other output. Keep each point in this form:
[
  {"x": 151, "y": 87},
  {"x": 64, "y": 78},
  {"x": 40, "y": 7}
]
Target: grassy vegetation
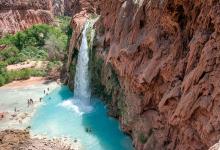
[
  {"x": 40, "y": 42},
  {"x": 9, "y": 76},
  {"x": 142, "y": 138}
]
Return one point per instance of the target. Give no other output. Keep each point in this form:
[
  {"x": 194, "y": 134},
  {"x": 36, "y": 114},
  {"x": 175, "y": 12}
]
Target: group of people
[
  {"x": 88, "y": 130},
  {"x": 30, "y": 101},
  {"x": 47, "y": 90}
]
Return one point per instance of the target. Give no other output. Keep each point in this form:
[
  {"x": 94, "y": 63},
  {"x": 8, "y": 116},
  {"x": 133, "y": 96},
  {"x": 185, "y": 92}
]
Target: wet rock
[{"x": 165, "y": 55}]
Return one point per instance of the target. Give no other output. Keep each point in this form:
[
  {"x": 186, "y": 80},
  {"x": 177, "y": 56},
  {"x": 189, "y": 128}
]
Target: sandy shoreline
[
  {"x": 14, "y": 124},
  {"x": 15, "y": 95},
  {"x": 13, "y": 101},
  {"x": 21, "y": 139},
  {"x": 24, "y": 83}
]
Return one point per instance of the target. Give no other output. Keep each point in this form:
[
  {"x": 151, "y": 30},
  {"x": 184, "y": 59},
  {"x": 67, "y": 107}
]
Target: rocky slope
[
  {"x": 16, "y": 15},
  {"x": 20, "y": 140},
  {"x": 158, "y": 61}
]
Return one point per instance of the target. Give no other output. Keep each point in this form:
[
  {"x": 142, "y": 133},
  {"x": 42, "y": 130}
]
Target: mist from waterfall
[{"x": 82, "y": 90}]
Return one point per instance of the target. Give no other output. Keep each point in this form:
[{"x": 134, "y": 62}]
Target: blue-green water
[{"x": 58, "y": 117}]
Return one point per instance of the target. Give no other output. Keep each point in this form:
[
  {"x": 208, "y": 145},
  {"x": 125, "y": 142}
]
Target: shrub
[
  {"x": 142, "y": 138},
  {"x": 2, "y": 80},
  {"x": 8, "y": 52},
  {"x": 2, "y": 67}
]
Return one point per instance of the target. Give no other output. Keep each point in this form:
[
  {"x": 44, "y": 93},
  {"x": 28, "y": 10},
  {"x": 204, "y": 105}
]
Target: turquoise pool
[{"x": 58, "y": 117}]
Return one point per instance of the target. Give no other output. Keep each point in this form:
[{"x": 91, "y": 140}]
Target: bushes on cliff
[
  {"x": 40, "y": 42},
  {"x": 36, "y": 42},
  {"x": 8, "y": 76}
]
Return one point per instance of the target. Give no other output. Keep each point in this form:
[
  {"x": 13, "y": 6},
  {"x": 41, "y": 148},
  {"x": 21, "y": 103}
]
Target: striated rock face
[
  {"x": 166, "y": 55},
  {"x": 166, "y": 59},
  {"x": 72, "y": 7},
  {"x": 16, "y": 15},
  {"x": 80, "y": 10}
]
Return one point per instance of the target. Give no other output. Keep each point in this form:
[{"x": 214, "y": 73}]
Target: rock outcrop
[
  {"x": 58, "y": 7},
  {"x": 16, "y": 15},
  {"x": 163, "y": 57},
  {"x": 20, "y": 139},
  {"x": 80, "y": 10},
  {"x": 72, "y": 7}
]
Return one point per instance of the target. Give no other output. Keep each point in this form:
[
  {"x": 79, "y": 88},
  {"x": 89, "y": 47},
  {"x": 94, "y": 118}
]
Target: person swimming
[
  {"x": 75, "y": 140},
  {"x": 88, "y": 130}
]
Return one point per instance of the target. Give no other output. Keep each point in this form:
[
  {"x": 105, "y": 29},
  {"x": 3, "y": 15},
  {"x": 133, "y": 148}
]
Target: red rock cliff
[
  {"x": 166, "y": 54},
  {"x": 16, "y": 15}
]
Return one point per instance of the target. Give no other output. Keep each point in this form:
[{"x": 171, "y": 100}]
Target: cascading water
[
  {"x": 81, "y": 87},
  {"x": 64, "y": 115}
]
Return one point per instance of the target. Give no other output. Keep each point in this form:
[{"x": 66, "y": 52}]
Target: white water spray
[
  {"x": 81, "y": 87},
  {"x": 81, "y": 100}
]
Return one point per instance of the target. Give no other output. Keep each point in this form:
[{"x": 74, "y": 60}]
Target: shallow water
[
  {"x": 58, "y": 117},
  {"x": 11, "y": 98}
]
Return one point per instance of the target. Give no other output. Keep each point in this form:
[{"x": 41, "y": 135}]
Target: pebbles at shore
[{"x": 21, "y": 140}]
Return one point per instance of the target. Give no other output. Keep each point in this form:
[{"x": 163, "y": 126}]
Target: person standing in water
[
  {"x": 28, "y": 102},
  {"x": 31, "y": 101}
]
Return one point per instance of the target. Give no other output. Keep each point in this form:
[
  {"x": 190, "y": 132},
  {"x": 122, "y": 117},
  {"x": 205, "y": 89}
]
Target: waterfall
[{"x": 81, "y": 88}]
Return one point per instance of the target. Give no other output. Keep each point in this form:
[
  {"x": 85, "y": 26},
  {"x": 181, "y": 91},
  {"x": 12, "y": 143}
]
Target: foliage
[
  {"x": 53, "y": 64},
  {"x": 40, "y": 42},
  {"x": 9, "y": 76},
  {"x": 33, "y": 43},
  {"x": 2, "y": 67},
  {"x": 64, "y": 23},
  {"x": 142, "y": 138}
]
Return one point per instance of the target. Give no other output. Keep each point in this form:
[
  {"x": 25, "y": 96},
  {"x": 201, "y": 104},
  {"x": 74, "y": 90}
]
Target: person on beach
[
  {"x": 44, "y": 92},
  {"x": 75, "y": 140},
  {"x": 48, "y": 89},
  {"x": 28, "y": 102},
  {"x": 15, "y": 109},
  {"x": 40, "y": 99},
  {"x": 1, "y": 115},
  {"x": 31, "y": 101}
]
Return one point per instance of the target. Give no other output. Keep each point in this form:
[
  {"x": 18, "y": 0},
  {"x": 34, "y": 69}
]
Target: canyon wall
[
  {"x": 16, "y": 15},
  {"x": 157, "y": 65},
  {"x": 58, "y": 7}
]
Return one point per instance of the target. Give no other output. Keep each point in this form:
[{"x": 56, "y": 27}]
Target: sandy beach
[
  {"x": 28, "y": 82},
  {"x": 13, "y": 101},
  {"x": 17, "y": 115}
]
